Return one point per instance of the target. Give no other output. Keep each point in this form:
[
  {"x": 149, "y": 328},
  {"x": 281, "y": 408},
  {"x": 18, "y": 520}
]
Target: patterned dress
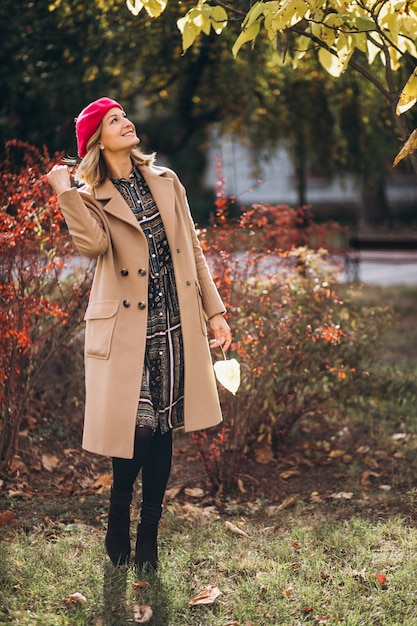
[{"x": 161, "y": 402}]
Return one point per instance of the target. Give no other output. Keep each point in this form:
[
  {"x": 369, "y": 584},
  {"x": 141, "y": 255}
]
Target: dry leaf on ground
[
  {"x": 207, "y": 596},
  {"x": 7, "y": 518},
  {"x": 104, "y": 481},
  {"x": 142, "y": 614},
  {"x": 287, "y": 502},
  {"x": 264, "y": 454},
  {"x": 235, "y": 529},
  {"x": 289, "y": 473},
  {"x": 76, "y": 597},
  {"x": 342, "y": 495},
  {"x": 172, "y": 493},
  {"x": 50, "y": 462},
  {"x": 365, "y": 478},
  {"x": 334, "y": 454},
  {"x": 381, "y": 578},
  {"x": 194, "y": 492},
  {"x": 140, "y": 585},
  {"x": 17, "y": 466}
]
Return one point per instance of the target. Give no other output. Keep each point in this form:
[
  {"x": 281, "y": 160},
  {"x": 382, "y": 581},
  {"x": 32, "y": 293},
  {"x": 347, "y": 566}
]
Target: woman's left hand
[{"x": 221, "y": 331}]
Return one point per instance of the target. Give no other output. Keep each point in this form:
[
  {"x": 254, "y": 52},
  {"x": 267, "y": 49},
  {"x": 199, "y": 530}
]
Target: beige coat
[{"x": 103, "y": 226}]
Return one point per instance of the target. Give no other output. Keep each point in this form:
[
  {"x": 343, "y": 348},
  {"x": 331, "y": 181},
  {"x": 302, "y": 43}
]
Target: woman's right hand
[{"x": 59, "y": 178}]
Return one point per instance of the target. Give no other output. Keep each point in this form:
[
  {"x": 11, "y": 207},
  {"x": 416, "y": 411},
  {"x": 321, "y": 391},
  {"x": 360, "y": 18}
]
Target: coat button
[
  {"x": 141, "y": 305},
  {"x": 188, "y": 282},
  {"x": 142, "y": 271},
  {"x": 178, "y": 250},
  {"x": 124, "y": 271},
  {"x": 126, "y": 303}
]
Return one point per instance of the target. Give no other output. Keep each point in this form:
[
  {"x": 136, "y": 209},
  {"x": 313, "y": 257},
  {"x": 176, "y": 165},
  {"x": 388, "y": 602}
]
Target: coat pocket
[
  {"x": 100, "y": 319},
  {"x": 203, "y": 321}
]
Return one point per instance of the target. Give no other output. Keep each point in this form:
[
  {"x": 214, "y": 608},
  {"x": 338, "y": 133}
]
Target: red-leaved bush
[
  {"x": 303, "y": 350},
  {"x": 42, "y": 297}
]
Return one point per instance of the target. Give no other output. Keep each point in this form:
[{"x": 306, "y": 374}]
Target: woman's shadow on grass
[{"x": 118, "y": 601}]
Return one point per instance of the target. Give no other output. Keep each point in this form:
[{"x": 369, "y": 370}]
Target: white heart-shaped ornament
[{"x": 228, "y": 374}]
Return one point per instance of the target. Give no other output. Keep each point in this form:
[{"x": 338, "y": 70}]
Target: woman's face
[{"x": 118, "y": 133}]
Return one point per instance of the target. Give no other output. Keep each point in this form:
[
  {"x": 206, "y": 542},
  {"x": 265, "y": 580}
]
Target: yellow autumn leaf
[
  {"x": 190, "y": 26},
  {"x": 248, "y": 34},
  {"x": 408, "y": 96},
  {"x": 331, "y": 63},
  {"x": 218, "y": 17}
]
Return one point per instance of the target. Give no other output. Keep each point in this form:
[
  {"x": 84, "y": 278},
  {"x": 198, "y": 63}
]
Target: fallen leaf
[
  {"x": 322, "y": 575},
  {"x": 104, "y": 481},
  {"x": 289, "y": 473},
  {"x": 172, "y": 493},
  {"x": 365, "y": 478},
  {"x": 194, "y": 492},
  {"x": 342, "y": 495},
  {"x": 140, "y": 584},
  {"x": 287, "y": 502},
  {"x": 235, "y": 529},
  {"x": 50, "y": 462},
  {"x": 264, "y": 454},
  {"x": 142, "y": 613},
  {"x": 369, "y": 460},
  {"x": 207, "y": 596},
  {"x": 381, "y": 578},
  {"x": 17, "y": 466},
  {"x": 334, "y": 454},
  {"x": 7, "y": 518},
  {"x": 76, "y": 597},
  {"x": 240, "y": 485},
  {"x": 287, "y": 593}
]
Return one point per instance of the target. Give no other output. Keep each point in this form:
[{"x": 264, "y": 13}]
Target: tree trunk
[{"x": 374, "y": 208}]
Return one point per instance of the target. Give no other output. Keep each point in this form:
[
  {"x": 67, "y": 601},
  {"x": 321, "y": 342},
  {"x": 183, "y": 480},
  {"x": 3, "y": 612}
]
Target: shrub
[
  {"x": 42, "y": 295},
  {"x": 303, "y": 350}
]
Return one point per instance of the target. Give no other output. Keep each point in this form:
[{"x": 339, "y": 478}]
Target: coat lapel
[
  {"x": 114, "y": 204},
  {"x": 162, "y": 189}
]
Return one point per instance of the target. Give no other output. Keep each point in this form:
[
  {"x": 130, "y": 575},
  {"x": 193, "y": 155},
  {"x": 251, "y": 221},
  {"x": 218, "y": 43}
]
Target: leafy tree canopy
[{"x": 355, "y": 33}]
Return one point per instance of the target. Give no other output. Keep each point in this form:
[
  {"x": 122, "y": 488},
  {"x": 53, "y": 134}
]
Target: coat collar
[{"x": 162, "y": 189}]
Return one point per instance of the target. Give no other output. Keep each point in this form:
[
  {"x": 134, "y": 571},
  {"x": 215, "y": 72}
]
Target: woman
[{"x": 148, "y": 368}]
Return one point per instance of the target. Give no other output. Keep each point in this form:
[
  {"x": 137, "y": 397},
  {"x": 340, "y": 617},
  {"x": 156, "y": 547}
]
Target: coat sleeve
[{"x": 85, "y": 223}]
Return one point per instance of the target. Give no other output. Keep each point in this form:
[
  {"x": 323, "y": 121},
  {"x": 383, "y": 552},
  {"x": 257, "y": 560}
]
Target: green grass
[
  {"x": 306, "y": 569},
  {"x": 310, "y": 564}
]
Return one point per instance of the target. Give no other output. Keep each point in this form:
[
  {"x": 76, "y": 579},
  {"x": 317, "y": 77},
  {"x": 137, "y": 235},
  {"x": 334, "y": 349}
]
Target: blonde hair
[{"x": 92, "y": 169}]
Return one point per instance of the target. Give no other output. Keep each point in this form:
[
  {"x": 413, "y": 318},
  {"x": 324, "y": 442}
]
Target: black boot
[
  {"x": 117, "y": 539},
  {"x": 146, "y": 553}
]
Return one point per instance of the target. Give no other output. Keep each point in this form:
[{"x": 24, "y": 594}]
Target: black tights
[{"x": 153, "y": 454}]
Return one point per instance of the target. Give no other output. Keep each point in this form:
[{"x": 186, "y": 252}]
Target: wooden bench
[{"x": 380, "y": 247}]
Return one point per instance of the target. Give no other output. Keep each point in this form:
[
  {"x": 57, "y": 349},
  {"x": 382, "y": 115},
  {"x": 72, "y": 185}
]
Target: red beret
[{"x": 89, "y": 120}]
